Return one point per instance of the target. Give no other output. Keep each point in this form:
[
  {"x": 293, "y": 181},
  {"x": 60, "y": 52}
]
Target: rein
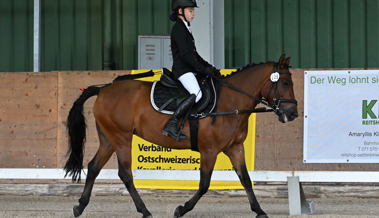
[{"x": 271, "y": 107}]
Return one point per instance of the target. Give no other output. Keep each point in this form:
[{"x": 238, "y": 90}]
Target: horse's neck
[{"x": 248, "y": 80}]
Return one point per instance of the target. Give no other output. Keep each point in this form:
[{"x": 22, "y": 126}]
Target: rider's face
[{"x": 189, "y": 13}]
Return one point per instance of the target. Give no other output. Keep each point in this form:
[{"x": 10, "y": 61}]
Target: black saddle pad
[{"x": 166, "y": 98}]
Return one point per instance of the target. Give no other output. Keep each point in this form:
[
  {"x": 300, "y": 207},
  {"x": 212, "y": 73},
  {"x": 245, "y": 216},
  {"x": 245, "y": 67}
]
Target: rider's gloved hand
[
  {"x": 217, "y": 73},
  {"x": 209, "y": 70},
  {"x": 212, "y": 71}
]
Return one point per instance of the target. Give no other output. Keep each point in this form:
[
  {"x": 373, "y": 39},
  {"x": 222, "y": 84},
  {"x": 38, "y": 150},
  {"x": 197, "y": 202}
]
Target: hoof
[
  {"x": 178, "y": 211},
  {"x": 146, "y": 213},
  {"x": 76, "y": 211},
  {"x": 262, "y": 216}
]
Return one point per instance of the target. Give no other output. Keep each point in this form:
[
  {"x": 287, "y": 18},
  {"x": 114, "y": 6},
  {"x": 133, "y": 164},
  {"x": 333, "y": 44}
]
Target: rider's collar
[{"x": 187, "y": 24}]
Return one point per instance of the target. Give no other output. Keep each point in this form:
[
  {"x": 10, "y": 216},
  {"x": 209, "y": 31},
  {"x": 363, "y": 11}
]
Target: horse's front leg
[
  {"x": 207, "y": 163},
  {"x": 237, "y": 157}
]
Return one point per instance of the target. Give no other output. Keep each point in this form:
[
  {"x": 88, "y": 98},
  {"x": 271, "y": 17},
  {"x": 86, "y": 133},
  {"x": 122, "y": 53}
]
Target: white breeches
[{"x": 190, "y": 83}]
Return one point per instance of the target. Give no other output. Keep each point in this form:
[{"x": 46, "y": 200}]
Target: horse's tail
[{"x": 76, "y": 127}]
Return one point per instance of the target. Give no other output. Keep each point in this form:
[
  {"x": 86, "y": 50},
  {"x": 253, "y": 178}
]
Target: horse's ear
[
  {"x": 282, "y": 61},
  {"x": 287, "y": 61},
  {"x": 282, "y": 58}
]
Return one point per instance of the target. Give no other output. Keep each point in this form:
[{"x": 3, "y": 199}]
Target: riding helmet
[{"x": 183, "y": 4}]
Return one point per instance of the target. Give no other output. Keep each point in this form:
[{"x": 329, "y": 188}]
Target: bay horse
[{"x": 123, "y": 109}]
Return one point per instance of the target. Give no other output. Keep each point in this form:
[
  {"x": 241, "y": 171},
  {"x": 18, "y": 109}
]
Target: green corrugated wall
[
  {"x": 79, "y": 34},
  {"x": 315, "y": 33},
  {"x": 102, "y": 34},
  {"x": 71, "y": 34},
  {"x": 98, "y": 34},
  {"x": 16, "y": 35}
]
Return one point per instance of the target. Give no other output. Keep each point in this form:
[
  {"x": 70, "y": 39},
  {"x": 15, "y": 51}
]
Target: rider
[{"x": 186, "y": 62}]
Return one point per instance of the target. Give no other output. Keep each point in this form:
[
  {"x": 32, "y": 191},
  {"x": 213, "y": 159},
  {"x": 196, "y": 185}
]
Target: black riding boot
[{"x": 171, "y": 127}]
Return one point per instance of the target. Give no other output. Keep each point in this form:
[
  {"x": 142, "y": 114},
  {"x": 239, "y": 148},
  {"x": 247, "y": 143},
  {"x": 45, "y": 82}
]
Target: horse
[{"x": 123, "y": 109}]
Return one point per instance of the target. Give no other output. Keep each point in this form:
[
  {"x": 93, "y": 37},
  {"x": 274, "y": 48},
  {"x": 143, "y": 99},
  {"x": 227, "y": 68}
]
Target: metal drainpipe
[
  {"x": 108, "y": 62},
  {"x": 36, "y": 36}
]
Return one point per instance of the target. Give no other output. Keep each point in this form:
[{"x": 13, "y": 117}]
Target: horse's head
[{"x": 278, "y": 91}]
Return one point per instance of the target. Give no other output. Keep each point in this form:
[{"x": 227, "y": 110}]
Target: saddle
[{"x": 167, "y": 94}]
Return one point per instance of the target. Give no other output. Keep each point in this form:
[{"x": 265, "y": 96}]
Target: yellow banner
[{"x": 148, "y": 156}]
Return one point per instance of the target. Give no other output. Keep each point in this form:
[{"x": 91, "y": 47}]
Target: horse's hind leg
[
  {"x": 237, "y": 157},
  {"x": 94, "y": 166},
  {"x": 125, "y": 174},
  {"x": 207, "y": 163}
]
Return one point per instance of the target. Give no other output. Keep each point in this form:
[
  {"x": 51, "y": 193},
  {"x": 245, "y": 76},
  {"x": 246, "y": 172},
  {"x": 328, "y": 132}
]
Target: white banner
[{"x": 341, "y": 116}]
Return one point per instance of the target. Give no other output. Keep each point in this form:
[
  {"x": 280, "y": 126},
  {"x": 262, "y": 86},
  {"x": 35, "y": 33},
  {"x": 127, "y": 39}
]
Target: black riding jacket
[{"x": 185, "y": 57}]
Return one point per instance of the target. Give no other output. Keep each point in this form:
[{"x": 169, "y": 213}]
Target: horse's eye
[{"x": 285, "y": 83}]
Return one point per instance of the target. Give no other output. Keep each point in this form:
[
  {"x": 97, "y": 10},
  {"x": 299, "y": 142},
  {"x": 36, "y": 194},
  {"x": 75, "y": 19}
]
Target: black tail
[{"x": 76, "y": 127}]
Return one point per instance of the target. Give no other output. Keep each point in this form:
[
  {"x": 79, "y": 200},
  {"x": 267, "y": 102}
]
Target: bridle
[
  {"x": 275, "y": 76},
  {"x": 275, "y": 107}
]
